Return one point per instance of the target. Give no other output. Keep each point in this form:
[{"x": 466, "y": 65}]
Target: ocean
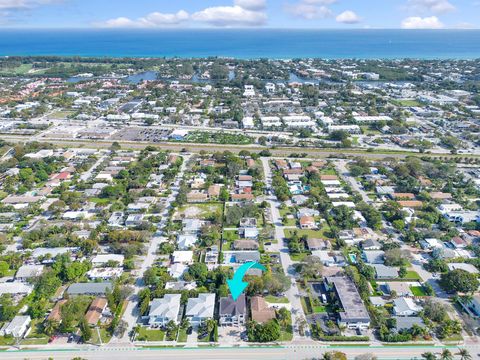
[{"x": 245, "y": 44}]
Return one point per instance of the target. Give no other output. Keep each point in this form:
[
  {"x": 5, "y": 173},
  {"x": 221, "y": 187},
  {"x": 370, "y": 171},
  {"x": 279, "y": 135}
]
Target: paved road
[
  {"x": 88, "y": 174},
  {"x": 243, "y": 353},
  {"x": 342, "y": 169},
  {"x": 293, "y": 293}
]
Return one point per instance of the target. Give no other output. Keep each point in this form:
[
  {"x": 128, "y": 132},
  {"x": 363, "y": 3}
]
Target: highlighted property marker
[{"x": 236, "y": 285}]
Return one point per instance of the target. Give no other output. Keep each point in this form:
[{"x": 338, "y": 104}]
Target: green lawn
[
  {"x": 61, "y": 114},
  {"x": 182, "y": 335},
  {"x": 306, "y": 308},
  {"x": 413, "y": 275},
  {"x": 19, "y": 70},
  {"x": 39, "y": 341},
  {"x": 6, "y": 341},
  {"x": 230, "y": 235},
  {"x": 278, "y": 300},
  {"x": 287, "y": 334},
  {"x": 104, "y": 334},
  {"x": 298, "y": 257},
  {"x": 100, "y": 201},
  {"x": 406, "y": 103},
  {"x": 145, "y": 334},
  {"x": 319, "y": 309},
  {"x": 418, "y": 291}
]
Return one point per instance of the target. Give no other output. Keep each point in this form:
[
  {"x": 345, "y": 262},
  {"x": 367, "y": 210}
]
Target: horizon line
[{"x": 229, "y": 28}]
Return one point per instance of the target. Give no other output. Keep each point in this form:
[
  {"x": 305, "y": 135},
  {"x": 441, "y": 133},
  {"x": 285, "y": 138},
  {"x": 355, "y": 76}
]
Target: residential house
[
  {"x": 164, "y": 310},
  {"x": 96, "y": 310},
  {"x": 233, "y": 313},
  {"x": 93, "y": 289},
  {"x": 16, "y": 328},
  {"x": 307, "y": 222},
  {"x": 318, "y": 244},
  {"x": 200, "y": 309},
  {"x": 186, "y": 241},
  {"x": 261, "y": 313},
  {"x": 405, "y": 307},
  {"x": 383, "y": 272},
  {"x": 374, "y": 256},
  {"x": 27, "y": 272},
  {"x": 245, "y": 245},
  {"x": 182, "y": 257}
]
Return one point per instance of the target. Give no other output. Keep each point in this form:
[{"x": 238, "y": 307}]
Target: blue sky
[{"x": 409, "y": 14}]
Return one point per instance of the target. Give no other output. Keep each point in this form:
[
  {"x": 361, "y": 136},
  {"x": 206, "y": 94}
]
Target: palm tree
[
  {"x": 446, "y": 355},
  {"x": 51, "y": 327},
  {"x": 464, "y": 354},
  {"x": 429, "y": 356},
  {"x": 185, "y": 323}
]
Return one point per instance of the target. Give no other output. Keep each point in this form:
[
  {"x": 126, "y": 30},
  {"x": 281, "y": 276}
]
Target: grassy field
[
  {"x": 413, "y": 275},
  {"x": 145, "y": 334},
  {"x": 61, "y": 114},
  {"x": 278, "y": 300},
  {"x": 100, "y": 201},
  {"x": 19, "y": 70},
  {"x": 104, "y": 334},
  {"x": 418, "y": 291},
  {"x": 182, "y": 335},
  {"x": 298, "y": 257},
  {"x": 406, "y": 103},
  {"x": 39, "y": 341},
  {"x": 286, "y": 334}
]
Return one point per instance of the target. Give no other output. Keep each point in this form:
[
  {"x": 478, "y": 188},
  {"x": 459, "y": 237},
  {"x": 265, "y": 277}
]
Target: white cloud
[
  {"x": 230, "y": 16},
  {"x": 416, "y": 22},
  {"x": 152, "y": 20},
  {"x": 23, "y": 4},
  {"x": 311, "y": 9},
  {"x": 348, "y": 17},
  {"x": 435, "y": 6},
  {"x": 255, "y": 5},
  {"x": 309, "y": 12},
  {"x": 243, "y": 13},
  {"x": 320, "y": 2}
]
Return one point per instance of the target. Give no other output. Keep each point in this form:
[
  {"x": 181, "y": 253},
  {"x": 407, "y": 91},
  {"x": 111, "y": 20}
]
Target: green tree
[
  {"x": 4, "y": 267},
  {"x": 267, "y": 332},
  {"x": 429, "y": 356},
  {"x": 460, "y": 281},
  {"x": 464, "y": 354},
  {"x": 446, "y": 355},
  {"x": 85, "y": 330}
]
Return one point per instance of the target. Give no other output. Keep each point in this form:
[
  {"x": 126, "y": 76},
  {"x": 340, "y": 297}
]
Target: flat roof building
[{"x": 354, "y": 314}]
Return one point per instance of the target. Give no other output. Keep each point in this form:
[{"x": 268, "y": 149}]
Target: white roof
[
  {"x": 462, "y": 266},
  {"x": 15, "y": 288},
  {"x": 201, "y": 307},
  {"x": 177, "y": 270},
  {"x": 104, "y": 273},
  {"x": 38, "y": 252},
  {"x": 182, "y": 256},
  {"x": 29, "y": 271},
  {"x": 185, "y": 241},
  {"x": 167, "y": 307},
  {"x": 104, "y": 258}
]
